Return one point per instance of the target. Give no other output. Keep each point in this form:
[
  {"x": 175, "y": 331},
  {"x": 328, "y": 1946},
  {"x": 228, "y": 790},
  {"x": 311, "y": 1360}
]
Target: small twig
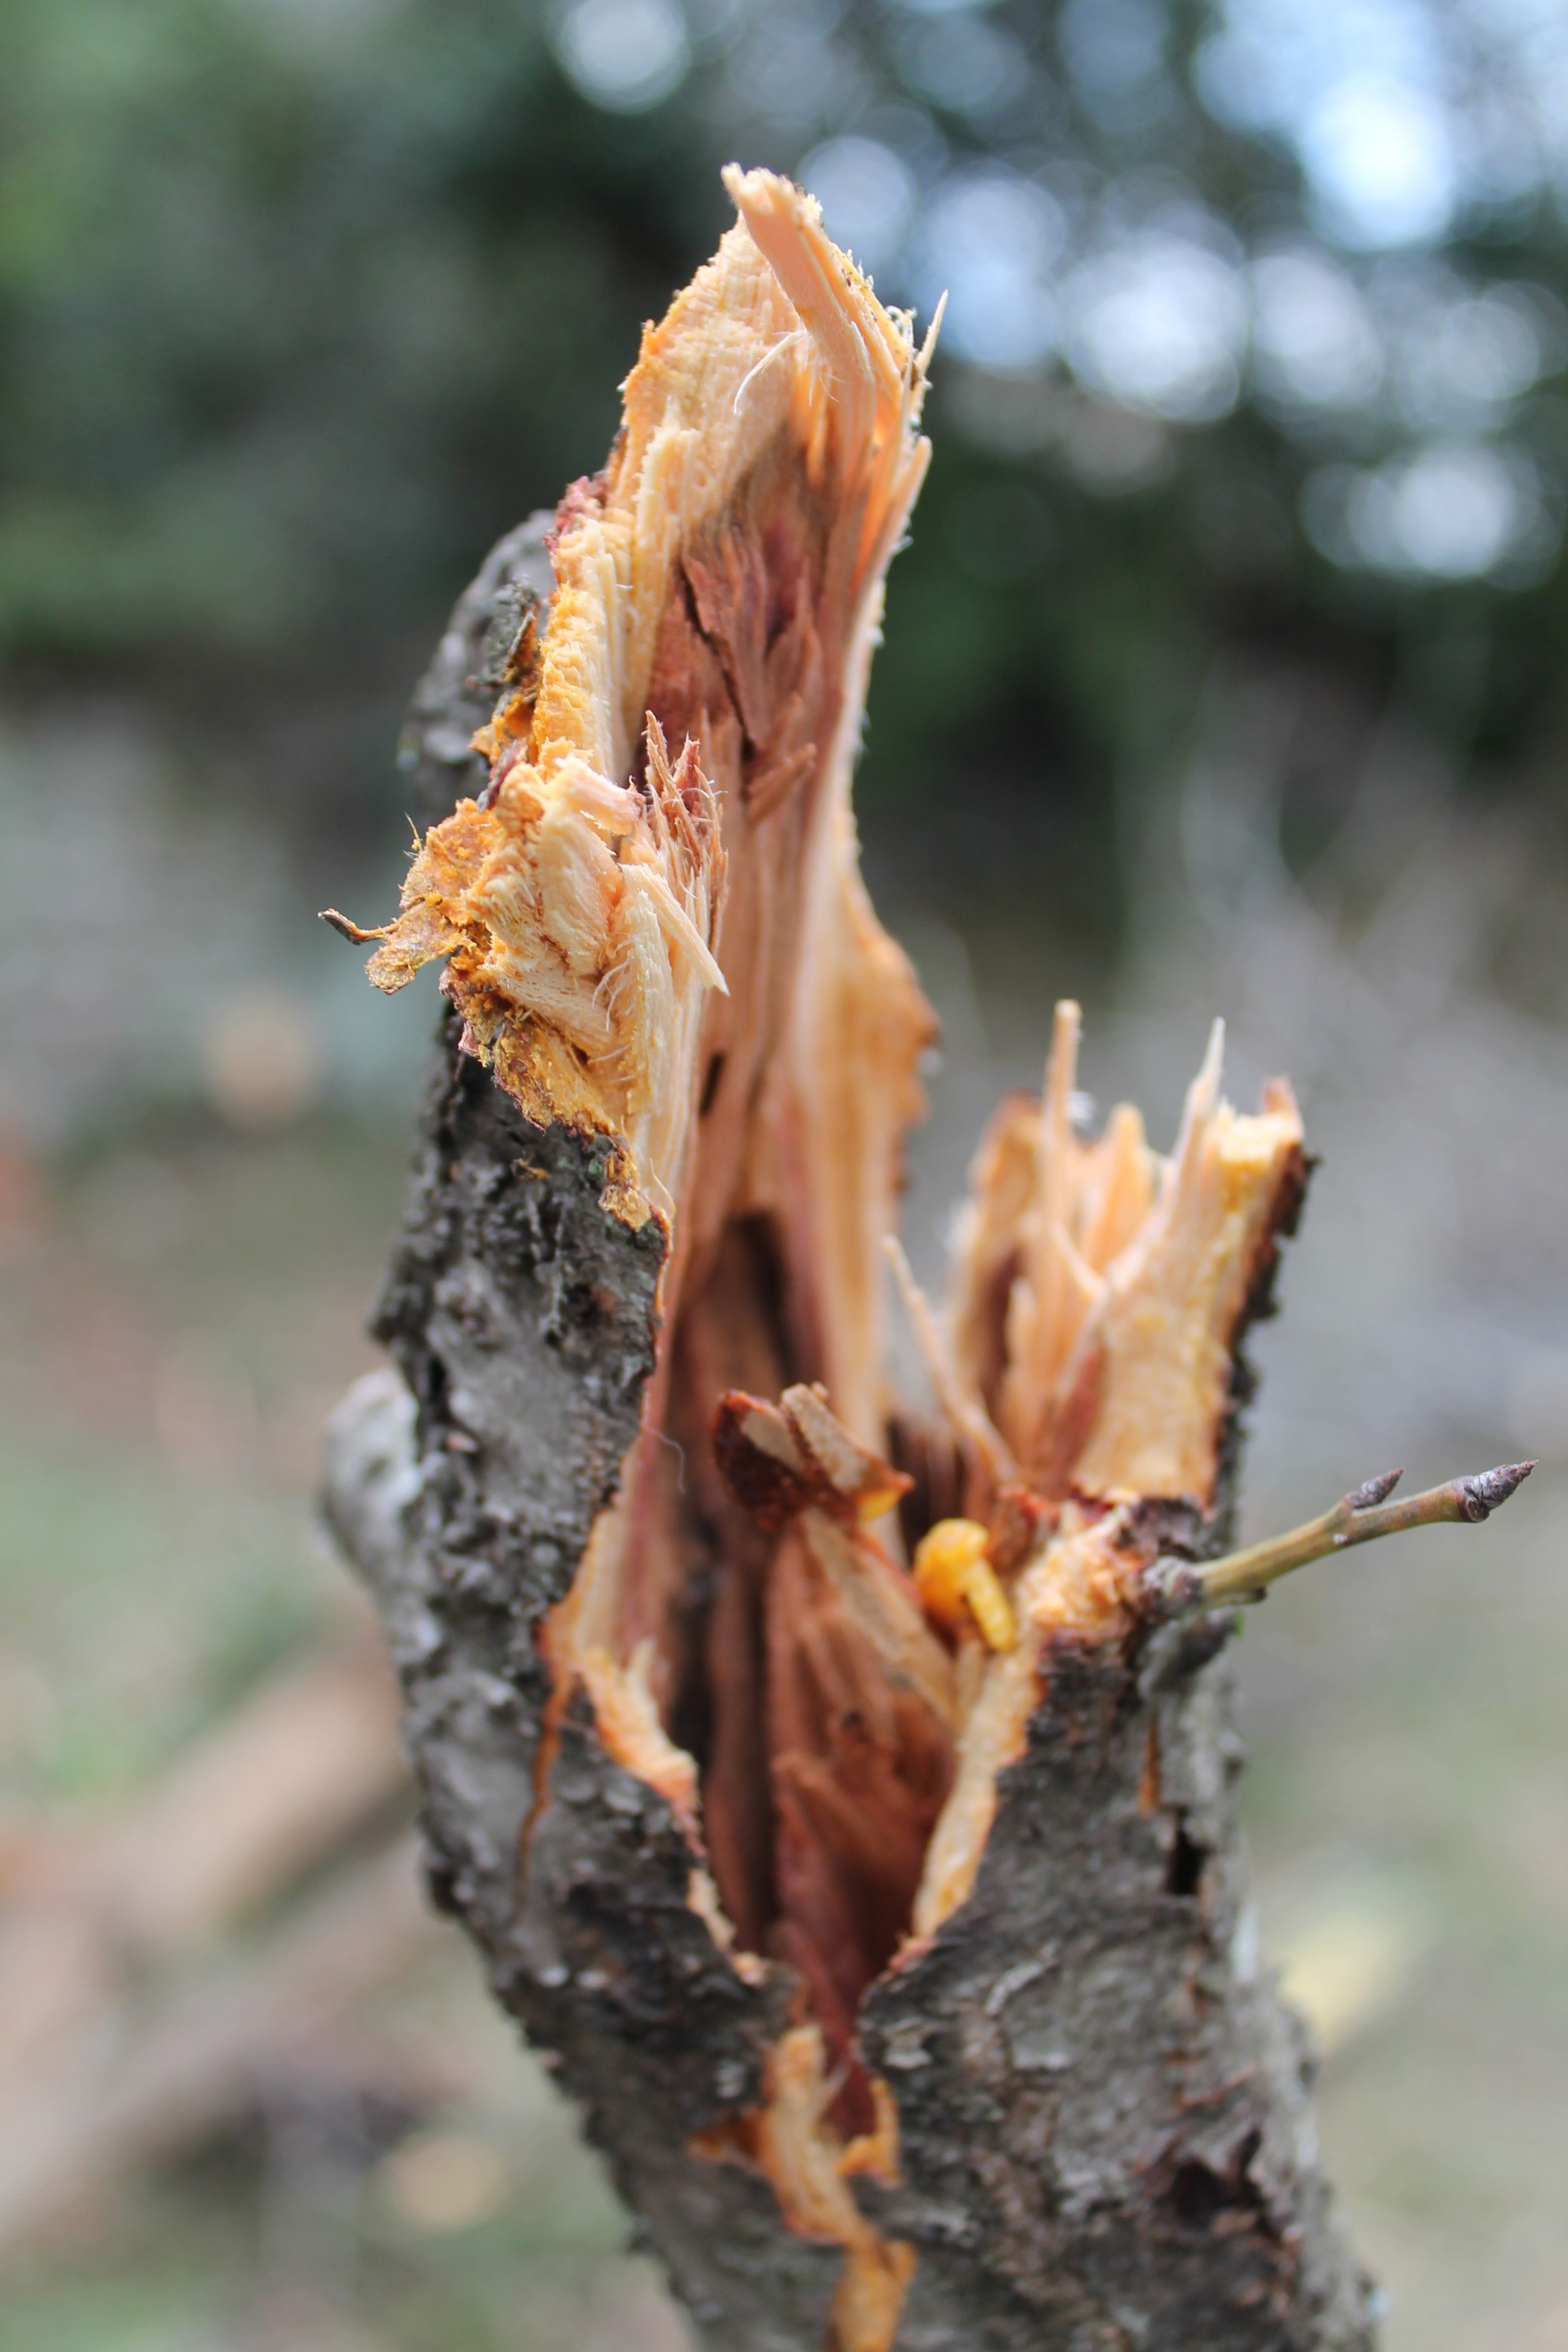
[
  {"x": 349, "y": 931},
  {"x": 1358, "y": 1518}
]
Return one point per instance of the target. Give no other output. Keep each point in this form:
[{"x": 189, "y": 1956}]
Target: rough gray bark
[
  {"x": 1102, "y": 2105},
  {"x": 457, "y": 692},
  {"x": 1105, "y": 2135}
]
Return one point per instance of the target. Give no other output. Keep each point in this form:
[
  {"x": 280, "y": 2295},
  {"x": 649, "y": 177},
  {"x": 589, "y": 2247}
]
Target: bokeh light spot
[
  {"x": 623, "y": 55},
  {"x": 867, "y": 195},
  {"x": 1379, "y": 156},
  {"x": 1452, "y": 511},
  {"x": 1158, "y": 324},
  {"x": 990, "y": 237},
  {"x": 1314, "y": 345}
]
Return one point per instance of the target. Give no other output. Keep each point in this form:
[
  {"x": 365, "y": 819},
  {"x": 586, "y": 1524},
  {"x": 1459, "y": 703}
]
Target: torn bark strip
[{"x": 833, "y": 1800}]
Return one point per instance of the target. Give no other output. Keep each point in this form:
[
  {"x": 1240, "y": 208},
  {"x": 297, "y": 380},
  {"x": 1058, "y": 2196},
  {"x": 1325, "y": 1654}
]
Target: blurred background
[{"x": 1224, "y": 673}]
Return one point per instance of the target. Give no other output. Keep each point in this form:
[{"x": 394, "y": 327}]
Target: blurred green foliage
[
  {"x": 300, "y": 305},
  {"x": 296, "y": 314}
]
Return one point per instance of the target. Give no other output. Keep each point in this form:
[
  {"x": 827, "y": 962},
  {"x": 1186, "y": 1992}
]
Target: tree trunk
[
  {"x": 1031, "y": 2087},
  {"x": 1104, "y": 2133}
]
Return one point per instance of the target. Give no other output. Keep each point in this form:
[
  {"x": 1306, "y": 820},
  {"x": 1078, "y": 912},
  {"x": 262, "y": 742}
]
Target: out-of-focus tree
[
  {"x": 299, "y": 306},
  {"x": 1254, "y": 313}
]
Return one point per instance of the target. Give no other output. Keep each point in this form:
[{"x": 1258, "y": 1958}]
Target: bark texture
[
  {"x": 1104, "y": 2140},
  {"x": 1101, "y": 2103}
]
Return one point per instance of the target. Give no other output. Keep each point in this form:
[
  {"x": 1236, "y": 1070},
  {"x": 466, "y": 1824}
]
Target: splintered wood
[{"x": 654, "y": 928}]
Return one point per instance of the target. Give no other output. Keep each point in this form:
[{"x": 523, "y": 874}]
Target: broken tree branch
[{"x": 834, "y": 1800}]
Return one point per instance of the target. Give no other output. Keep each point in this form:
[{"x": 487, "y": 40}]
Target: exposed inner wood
[{"x": 653, "y": 925}]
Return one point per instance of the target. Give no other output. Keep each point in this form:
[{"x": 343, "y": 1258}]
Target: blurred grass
[
  {"x": 182, "y": 1306},
  {"x": 178, "y": 1309},
  {"x": 180, "y": 1312}
]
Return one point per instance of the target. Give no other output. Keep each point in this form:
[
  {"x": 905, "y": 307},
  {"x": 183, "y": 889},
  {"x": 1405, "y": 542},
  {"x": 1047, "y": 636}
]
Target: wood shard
[
  {"x": 1175, "y": 1297},
  {"x": 1099, "y": 1291},
  {"x": 718, "y": 590}
]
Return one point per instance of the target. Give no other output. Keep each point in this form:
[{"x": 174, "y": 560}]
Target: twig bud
[
  {"x": 1375, "y": 1490},
  {"x": 1490, "y": 1488}
]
